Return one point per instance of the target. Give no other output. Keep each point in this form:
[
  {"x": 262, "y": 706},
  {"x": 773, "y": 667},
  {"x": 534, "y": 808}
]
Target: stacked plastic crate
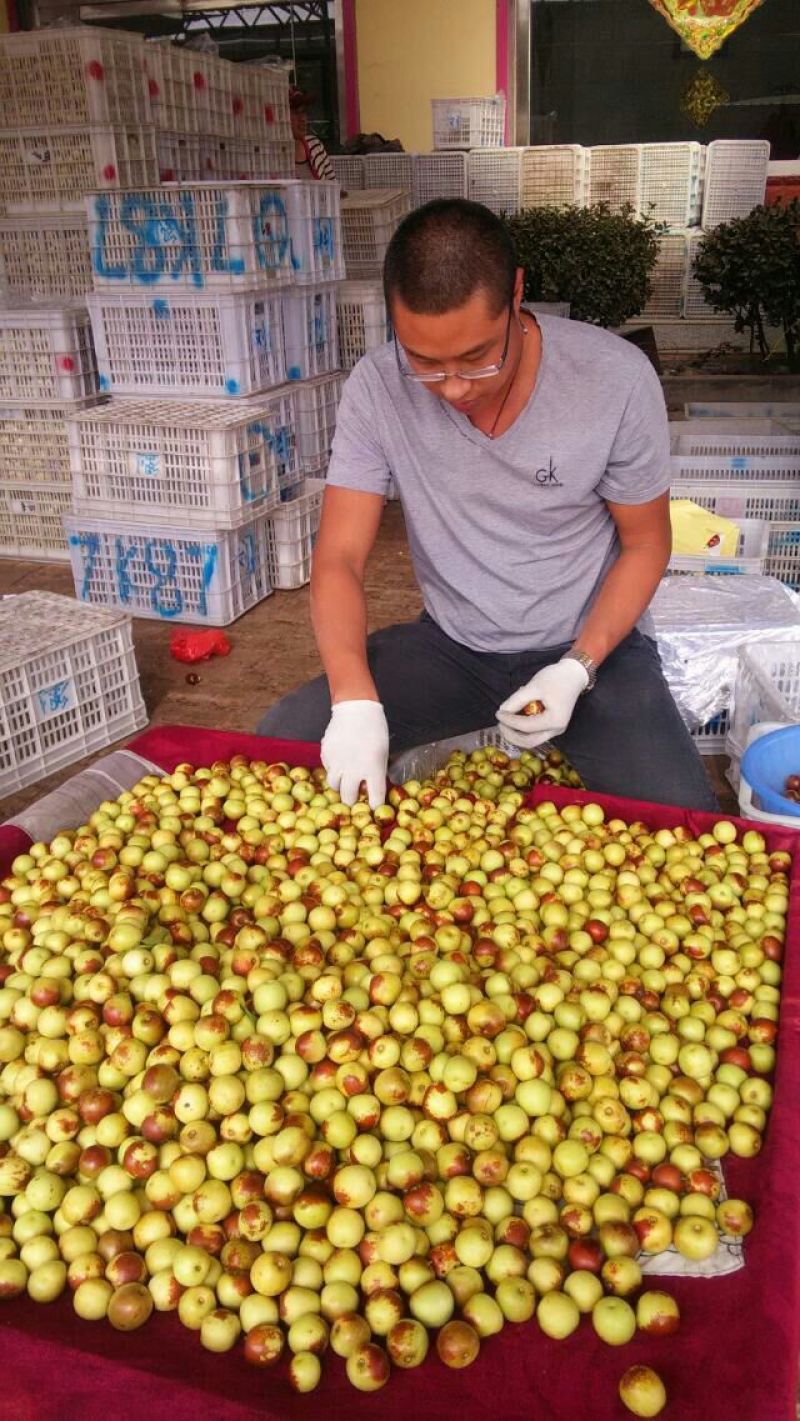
[{"x": 214, "y": 304}]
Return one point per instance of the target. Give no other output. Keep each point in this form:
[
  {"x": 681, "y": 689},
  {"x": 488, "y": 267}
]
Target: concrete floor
[{"x": 273, "y": 650}]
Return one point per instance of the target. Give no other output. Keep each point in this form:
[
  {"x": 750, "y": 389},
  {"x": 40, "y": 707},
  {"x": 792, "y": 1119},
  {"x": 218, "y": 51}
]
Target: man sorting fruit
[{"x": 531, "y": 457}]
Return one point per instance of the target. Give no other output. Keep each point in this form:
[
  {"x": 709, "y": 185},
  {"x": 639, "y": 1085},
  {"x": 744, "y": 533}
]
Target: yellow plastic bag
[{"x": 696, "y": 532}]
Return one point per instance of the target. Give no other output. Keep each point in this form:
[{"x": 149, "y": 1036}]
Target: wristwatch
[{"x": 589, "y": 666}]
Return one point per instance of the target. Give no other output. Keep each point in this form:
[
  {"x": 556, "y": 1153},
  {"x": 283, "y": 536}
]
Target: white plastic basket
[
  {"x": 317, "y": 402},
  {"x": 439, "y": 175},
  {"x": 668, "y": 278},
  {"x": 48, "y": 167},
  {"x": 292, "y": 533},
  {"x": 269, "y": 97},
  {"x": 735, "y": 179},
  {"x": 178, "y": 157},
  {"x": 188, "y": 343},
  {"x": 68, "y": 685},
  {"x": 349, "y": 170},
  {"x": 784, "y": 411},
  {"x": 554, "y": 175},
  {"x": 494, "y": 177},
  {"x": 80, "y": 74},
  {"x": 46, "y": 256},
  {"x": 704, "y": 450},
  {"x": 385, "y": 170},
  {"x": 775, "y": 502},
  {"x": 161, "y": 570},
  {"x": 710, "y": 738},
  {"x": 34, "y": 442},
  {"x": 750, "y": 556},
  {"x": 469, "y": 123},
  {"x": 767, "y": 688},
  {"x": 369, "y": 220},
  {"x": 309, "y": 330},
  {"x": 208, "y": 463},
  {"x": 46, "y": 353},
  {"x": 31, "y": 520},
  {"x": 696, "y": 307},
  {"x": 615, "y": 175},
  {"x": 210, "y": 79},
  {"x": 363, "y": 320},
  {"x": 783, "y": 553},
  {"x": 672, "y": 178}
]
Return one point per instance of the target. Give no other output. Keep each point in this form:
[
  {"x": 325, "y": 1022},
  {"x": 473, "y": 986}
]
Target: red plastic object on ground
[
  {"x": 735, "y": 1355},
  {"x": 192, "y": 646}
]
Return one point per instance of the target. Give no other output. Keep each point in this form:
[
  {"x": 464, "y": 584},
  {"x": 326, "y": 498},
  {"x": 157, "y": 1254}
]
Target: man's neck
[{"x": 509, "y": 403}]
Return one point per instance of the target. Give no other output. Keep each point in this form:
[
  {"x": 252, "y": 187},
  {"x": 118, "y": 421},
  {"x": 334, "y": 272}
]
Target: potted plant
[{"x": 750, "y": 268}]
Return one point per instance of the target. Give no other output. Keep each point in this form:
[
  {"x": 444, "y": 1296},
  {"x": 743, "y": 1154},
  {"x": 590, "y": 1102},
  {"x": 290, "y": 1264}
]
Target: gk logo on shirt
[{"x": 548, "y": 475}]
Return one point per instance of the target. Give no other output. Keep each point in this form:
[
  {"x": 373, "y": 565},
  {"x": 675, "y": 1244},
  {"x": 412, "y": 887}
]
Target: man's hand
[
  {"x": 355, "y": 748},
  {"x": 557, "y": 688}
]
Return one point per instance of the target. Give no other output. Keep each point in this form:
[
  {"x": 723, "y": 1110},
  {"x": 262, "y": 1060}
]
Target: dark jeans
[{"x": 627, "y": 737}]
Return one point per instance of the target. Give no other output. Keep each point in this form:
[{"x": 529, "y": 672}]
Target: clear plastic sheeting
[
  {"x": 702, "y": 621},
  {"x": 73, "y": 802}
]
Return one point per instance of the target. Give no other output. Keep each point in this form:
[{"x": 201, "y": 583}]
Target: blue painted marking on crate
[
  {"x": 294, "y": 372},
  {"x": 271, "y": 234},
  {"x": 740, "y": 462},
  {"x": 323, "y": 239},
  {"x": 137, "y": 216},
  {"x": 161, "y": 309},
  {"x": 89, "y": 545},
  {"x": 166, "y": 597},
  {"x": 56, "y": 697},
  {"x": 231, "y": 386},
  {"x": 247, "y": 553},
  {"x": 147, "y": 462},
  {"x": 251, "y": 459},
  {"x": 100, "y": 265},
  {"x": 104, "y": 382},
  {"x": 122, "y": 557},
  {"x": 220, "y": 261},
  {"x": 208, "y": 553}
]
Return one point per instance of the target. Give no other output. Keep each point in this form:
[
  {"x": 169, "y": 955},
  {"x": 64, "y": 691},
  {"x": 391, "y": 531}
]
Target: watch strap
[{"x": 589, "y": 666}]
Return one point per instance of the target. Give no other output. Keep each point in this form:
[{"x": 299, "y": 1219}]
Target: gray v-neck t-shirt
[{"x": 512, "y": 537}]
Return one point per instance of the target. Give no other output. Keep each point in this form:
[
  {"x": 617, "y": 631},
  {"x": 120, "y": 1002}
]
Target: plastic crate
[
  {"x": 160, "y": 570},
  {"x": 270, "y": 99},
  {"x": 494, "y": 177},
  {"x": 784, "y": 411},
  {"x": 775, "y": 502},
  {"x": 178, "y": 157},
  {"x": 469, "y": 123},
  {"x": 349, "y": 170},
  {"x": 710, "y": 738},
  {"x": 212, "y": 464},
  {"x": 80, "y": 75},
  {"x": 711, "y": 449},
  {"x": 783, "y": 553},
  {"x": 48, "y": 167},
  {"x": 316, "y": 402},
  {"x": 45, "y": 256},
  {"x": 615, "y": 175},
  {"x": 309, "y": 332},
  {"x": 188, "y": 343},
  {"x": 439, "y": 175},
  {"x": 34, "y": 442},
  {"x": 210, "y": 80},
  {"x": 668, "y": 278},
  {"x": 672, "y": 178},
  {"x": 369, "y": 220},
  {"x": 46, "y": 353},
  {"x": 292, "y": 534},
  {"x": 384, "y": 170},
  {"x": 735, "y": 179},
  {"x": 555, "y": 175},
  {"x": 77, "y": 691},
  {"x": 362, "y": 319},
  {"x": 695, "y": 305},
  {"x": 31, "y": 520},
  {"x": 767, "y": 688},
  {"x": 750, "y": 556}
]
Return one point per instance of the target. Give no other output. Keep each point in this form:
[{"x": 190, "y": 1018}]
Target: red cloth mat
[{"x": 735, "y": 1355}]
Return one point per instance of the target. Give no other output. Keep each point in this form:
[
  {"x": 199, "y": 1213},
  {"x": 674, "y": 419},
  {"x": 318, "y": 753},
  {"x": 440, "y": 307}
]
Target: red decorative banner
[{"x": 705, "y": 24}]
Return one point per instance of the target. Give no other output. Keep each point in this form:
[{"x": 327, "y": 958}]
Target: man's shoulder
[
  {"x": 376, "y": 372},
  {"x": 582, "y": 343}
]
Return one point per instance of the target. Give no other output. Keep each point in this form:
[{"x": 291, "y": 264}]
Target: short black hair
[{"x": 442, "y": 253}]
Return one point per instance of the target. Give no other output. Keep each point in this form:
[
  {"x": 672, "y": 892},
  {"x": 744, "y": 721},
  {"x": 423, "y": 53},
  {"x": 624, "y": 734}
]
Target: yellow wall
[
  {"x": 3, "y": 17},
  {"x": 412, "y": 51}
]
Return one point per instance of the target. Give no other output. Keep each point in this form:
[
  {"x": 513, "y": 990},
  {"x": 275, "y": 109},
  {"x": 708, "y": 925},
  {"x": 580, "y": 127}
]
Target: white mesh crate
[
  {"x": 31, "y": 520},
  {"x": 369, "y": 221},
  {"x": 735, "y": 179},
  {"x": 784, "y": 411},
  {"x": 710, "y": 449},
  {"x": 439, "y": 175},
  {"x": 309, "y": 331},
  {"x": 615, "y": 175},
  {"x": 672, "y": 177},
  {"x": 188, "y": 343},
  {"x": 767, "y": 687},
  {"x": 48, "y": 167},
  {"x": 349, "y": 170},
  {"x": 314, "y": 219},
  {"x": 316, "y": 402},
  {"x": 750, "y": 555},
  {"x": 68, "y": 685},
  {"x": 46, "y": 353},
  {"x": 554, "y": 175},
  {"x": 80, "y": 75},
  {"x": 34, "y": 442},
  {"x": 210, "y": 79},
  {"x": 383, "y": 170},
  {"x": 783, "y": 553},
  {"x": 469, "y": 123},
  {"x": 178, "y": 157},
  {"x": 494, "y": 178},
  {"x": 270, "y": 98},
  {"x": 776, "y": 502},
  {"x": 292, "y": 534},
  {"x": 162, "y": 570},
  {"x": 169, "y": 107},
  {"x": 362, "y": 318},
  {"x": 695, "y": 306},
  {"x": 212, "y": 464},
  {"x": 45, "y": 256},
  {"x": 710, "y": 738},
  {"x": 668, "y": 278}
]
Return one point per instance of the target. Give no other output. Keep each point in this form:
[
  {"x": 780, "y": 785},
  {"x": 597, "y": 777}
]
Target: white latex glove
[
  {"x": 355, "y": 748},
  {"x": 558, "y": 687}
]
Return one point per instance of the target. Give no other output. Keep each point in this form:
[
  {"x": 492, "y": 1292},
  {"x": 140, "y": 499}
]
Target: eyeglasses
[{"x": 436, "y": 377}]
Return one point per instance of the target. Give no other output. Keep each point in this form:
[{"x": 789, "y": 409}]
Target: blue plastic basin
[{"x": 766, "y": 764}]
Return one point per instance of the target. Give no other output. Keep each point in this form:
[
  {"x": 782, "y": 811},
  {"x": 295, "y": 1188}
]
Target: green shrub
[
  {"x": 750, "y": 268},
  {"x": 598, "y": 260}
]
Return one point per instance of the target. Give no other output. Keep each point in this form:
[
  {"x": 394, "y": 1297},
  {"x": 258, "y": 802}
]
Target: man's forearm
[
  {"x": 339, "y": 618},
  {"x": 623, "y": 597}
]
